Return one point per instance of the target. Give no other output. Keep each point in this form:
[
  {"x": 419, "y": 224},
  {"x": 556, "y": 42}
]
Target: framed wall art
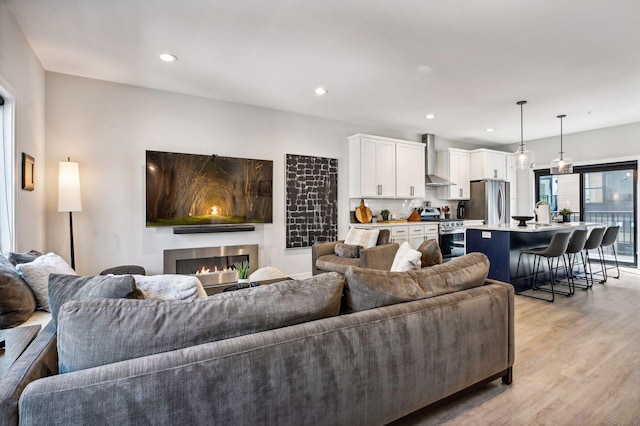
[
  {"x": 311, "y": 200},
  {"x": 28, "y": 169}
]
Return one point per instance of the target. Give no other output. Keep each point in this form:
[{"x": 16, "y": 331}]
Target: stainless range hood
[{"x": 430, "y": 159}]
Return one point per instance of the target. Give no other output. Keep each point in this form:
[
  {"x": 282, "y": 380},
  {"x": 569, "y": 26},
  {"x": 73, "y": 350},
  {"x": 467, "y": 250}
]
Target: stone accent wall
[{"x": 311, "y": 200}]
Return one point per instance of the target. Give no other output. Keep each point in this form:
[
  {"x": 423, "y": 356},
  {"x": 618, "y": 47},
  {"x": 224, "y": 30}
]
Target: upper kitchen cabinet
[
  {"x": 372, "y": 167},
  {"x": 385, "y": 168},
  {"x": 410, "y": 170},
  {"x": 488, "y": 164},
  {"x": 453, "y": 164}
]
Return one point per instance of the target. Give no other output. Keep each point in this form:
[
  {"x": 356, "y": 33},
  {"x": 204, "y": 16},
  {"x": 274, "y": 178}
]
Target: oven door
[{"x": 452, "y": 244}]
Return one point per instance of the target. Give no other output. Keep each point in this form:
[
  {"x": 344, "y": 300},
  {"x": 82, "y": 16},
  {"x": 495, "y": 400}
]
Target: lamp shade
[{"x": 69, "y": 199}]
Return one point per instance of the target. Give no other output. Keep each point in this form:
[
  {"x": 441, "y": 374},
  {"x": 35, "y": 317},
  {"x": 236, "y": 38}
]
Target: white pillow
[
  {"x": 407, "y": 259},
  {"x": 366, "y": 238},
  {"x": 36, "y": 274},
  {"x": 170, "y": 287},
  {"x": 267, "y": 273}
]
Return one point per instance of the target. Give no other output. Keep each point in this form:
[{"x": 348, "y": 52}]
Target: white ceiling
[{"x": 384, "y": 62}]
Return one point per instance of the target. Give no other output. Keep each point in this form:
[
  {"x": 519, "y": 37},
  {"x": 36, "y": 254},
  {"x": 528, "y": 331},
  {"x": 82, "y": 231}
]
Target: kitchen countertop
[
  {"x": 398, "y": 222},
  {"x": 534, "y": 227}
]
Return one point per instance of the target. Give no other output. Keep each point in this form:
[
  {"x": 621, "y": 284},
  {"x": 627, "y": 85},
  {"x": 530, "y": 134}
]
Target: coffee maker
[{"x": 461, "y": 211}]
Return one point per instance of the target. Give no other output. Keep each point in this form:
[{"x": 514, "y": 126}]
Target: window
[
  {"x": 604, "y": 193},
  {"x": 7, "y": 186}
]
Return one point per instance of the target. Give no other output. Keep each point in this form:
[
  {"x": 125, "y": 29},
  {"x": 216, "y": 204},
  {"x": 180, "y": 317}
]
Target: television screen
[{"x": 189, "y": 189}]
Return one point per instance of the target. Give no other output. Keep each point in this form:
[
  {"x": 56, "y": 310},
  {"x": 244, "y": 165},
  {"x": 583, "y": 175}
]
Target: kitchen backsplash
[{"x": 402, "y": 208}]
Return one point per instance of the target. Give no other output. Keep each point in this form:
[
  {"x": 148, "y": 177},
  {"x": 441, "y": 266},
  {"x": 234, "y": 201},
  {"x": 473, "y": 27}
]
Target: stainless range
[{"x": 451, "y": 238}]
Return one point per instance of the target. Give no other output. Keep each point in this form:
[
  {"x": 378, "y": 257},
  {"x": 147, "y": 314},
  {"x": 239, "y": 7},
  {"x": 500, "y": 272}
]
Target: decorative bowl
[{"x": 522, "y": 220}]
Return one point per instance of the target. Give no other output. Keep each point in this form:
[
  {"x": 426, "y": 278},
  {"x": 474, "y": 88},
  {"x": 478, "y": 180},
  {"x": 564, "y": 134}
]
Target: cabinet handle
[
  {"x": 461, "y": 192},
  {"x": 495, "y": 173},
  {"x": 411, "y": 190}
]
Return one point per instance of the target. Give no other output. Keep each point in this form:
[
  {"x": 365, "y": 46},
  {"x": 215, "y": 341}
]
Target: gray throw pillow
[
  {"x": 63, "y": 288},
  {"x": 17, "y": 302},
  {"x": 347, "y": 250},
  {"x": 369, "y": 288},
  {"x": 27, "y": 257},
  {"x": 431, "y": 254},
  {"x": 98, "y": 332}
]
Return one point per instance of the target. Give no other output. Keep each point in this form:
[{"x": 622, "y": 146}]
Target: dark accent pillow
[
  {"x": 90, "y": 333},
  {"x": 63, "y": 288},
  {"x": 16, "y": 258},
  {"x": 369, "y": 288},
  {"x": 347, "y": 250},
  {"x": 384, "y": 237},
  {"x": 17, "y": 302},
  {"x": 431, "y": 254}
]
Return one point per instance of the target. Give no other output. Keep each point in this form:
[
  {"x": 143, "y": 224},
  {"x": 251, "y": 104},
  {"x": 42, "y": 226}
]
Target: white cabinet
[
  {"x": 453, "y": 164},
  {"x": 488, "y": 164},
  {"x": 421, "y": 233},
  {"x": 410, "y": 170},
  {"x": 399, "y": 234},
  {"x": 376, "y": 171},
  {"x": 512, "y": 178}
]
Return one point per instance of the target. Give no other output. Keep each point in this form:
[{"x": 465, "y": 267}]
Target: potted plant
[
  {"x": 566, "y": 214},
  {"x": 385, "y": 214},
  {"x": 242, "y": 268}
]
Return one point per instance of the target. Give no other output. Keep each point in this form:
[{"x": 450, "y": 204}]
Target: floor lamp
[{"x": 69, "y": 199}]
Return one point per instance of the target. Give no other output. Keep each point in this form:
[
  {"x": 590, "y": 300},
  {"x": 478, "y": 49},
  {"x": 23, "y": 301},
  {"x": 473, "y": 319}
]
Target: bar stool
[
  {"x": 608, "y": 240},
  {"x": 592, "y": 243},
  {"x": 555, "y": 250},
  {"x": 575, "y": 247}
]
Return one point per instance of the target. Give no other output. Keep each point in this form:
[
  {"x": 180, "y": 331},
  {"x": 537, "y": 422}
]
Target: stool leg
[
  {"x": 551, "y": 279},
  {"x": 602, "y": 265},
  {"x": 615, "y": 255}
]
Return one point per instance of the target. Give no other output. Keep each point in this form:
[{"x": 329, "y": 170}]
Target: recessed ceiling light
[
  {"x": 168, "y": 57},
  {"x": 430, "y": 116},
  {"x": 489, "y": 130},
  {"x": 321, "y": 91}
]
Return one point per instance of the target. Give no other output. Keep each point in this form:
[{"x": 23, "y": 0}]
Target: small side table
[{"x": 16, "y": 341}]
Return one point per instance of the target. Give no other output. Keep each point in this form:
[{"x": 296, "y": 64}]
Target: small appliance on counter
[
  {"x": 430, "y": 213},
  {"x": 461, "y": 211},
  {"x": 543, "y": 212}
]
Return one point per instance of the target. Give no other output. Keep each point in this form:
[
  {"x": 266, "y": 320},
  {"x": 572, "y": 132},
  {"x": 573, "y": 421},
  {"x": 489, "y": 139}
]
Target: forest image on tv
[{"x": 189, "y": 189}]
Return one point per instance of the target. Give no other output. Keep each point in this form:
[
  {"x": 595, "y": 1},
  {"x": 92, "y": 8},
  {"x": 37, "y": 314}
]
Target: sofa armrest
[
  {"x": 379, "y": 257},
  {"x": 319, "y": 250}
]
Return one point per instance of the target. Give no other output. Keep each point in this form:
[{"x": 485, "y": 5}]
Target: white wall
[
  {"x": 21, "y": 70},
  {"x": 107, "y": 127}
]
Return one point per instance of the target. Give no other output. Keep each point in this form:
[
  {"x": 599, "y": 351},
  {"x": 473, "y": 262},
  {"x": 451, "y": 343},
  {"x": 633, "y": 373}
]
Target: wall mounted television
[{"x": 190, "y": 189}]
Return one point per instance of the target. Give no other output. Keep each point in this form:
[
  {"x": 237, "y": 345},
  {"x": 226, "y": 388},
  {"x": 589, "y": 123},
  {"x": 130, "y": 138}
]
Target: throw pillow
[
  {"x": 267, "y": 274},
  {"x": 170, "y": 287},
  {"x": 368, "y": 288},
  {"x": 103, "y": 331},
  {"x": 17, "y": 303},
  {"x": 36, "y": 274},
  {"x": 366, "y": 238},
  {"x": 63, "y": 288},
  {"x": 406, "y": 258},
  {"x": 347, "y": 250},
  {"x": 27, "y": 257},
  {"x": 430, "y": 253}
]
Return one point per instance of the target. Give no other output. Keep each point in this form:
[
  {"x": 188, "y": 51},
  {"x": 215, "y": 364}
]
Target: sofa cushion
[
  {"x": 334, "y": 263},
  {"x": 170, "y": 287},
  {"x": 36, "y": 274},
  {"x": 366, "y": 238},
  {"x": 368, "y": 288},
  {"x": 406, "y": 258},
  {"x": 91, "y": 333},
  {"x": 347, "y": 250},
  {"x": 17, "y": 302},
  {"x": 430, "y": 253},
  {"x": 63, "y": 288}
]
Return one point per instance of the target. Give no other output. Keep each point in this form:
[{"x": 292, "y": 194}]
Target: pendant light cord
[
  {"x": 561, "y": 150},
  {"x": 521, "y": 125}
]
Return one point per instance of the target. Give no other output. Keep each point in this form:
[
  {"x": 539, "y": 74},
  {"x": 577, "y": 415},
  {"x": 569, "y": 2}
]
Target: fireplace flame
[{"x": 204, "y": 270}]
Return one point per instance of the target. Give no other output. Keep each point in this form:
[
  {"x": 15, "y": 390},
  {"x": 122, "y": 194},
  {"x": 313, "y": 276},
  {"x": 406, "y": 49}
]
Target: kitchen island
[{"x": 502, "y": 245}]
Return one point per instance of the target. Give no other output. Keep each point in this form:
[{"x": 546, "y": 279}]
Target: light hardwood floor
[{"x": 577, "y": 362}]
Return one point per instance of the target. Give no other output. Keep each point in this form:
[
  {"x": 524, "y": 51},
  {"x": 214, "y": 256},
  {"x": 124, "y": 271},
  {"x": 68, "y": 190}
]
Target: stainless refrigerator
[{"x": 489, "y": 201}]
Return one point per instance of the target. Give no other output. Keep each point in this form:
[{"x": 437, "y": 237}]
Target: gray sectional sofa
[{"x": 410, "y": 339}]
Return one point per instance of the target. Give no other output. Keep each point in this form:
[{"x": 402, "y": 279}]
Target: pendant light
[
  {"x": 522, "y": 159},
  {"x": 561, "y": 165}
]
